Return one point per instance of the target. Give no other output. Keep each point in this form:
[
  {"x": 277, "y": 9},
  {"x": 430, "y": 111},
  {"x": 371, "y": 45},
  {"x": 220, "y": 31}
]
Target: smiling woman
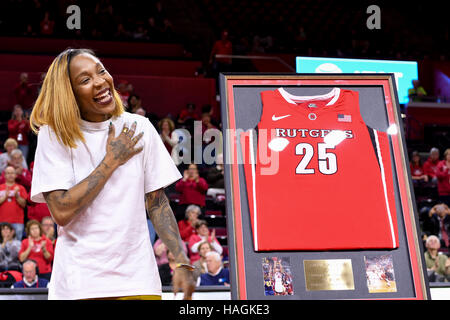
[
  {"x": 75, "y": 88},
  {"x": 95, "y": 182}
]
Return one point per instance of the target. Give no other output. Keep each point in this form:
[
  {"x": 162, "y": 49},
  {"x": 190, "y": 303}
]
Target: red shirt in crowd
[
  {"x": 10, "y": 210},
  {"x": 18, "y": 130},
  {"x": 192, "y": 192},
  {"x": 36, "y": 254},
  {"x": 24, "y": 95},
  {"x": 443, "y": 175},
  {"x": 188, "y": 114},
  {"x": 430, "y": 167},
  {"x": 186, "y": 230},
  {"x": 416, "y": 170},
  {"x": 224, "y": 47},
  {"x": 37, "y": 211},
  {"x": 24, "y": 179}
]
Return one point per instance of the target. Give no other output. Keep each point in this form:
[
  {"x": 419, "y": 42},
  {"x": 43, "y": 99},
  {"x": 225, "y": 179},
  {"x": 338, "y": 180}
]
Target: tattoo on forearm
[
  {"x": 65, "y": 199},
  {"x": 164, "y": 222}
]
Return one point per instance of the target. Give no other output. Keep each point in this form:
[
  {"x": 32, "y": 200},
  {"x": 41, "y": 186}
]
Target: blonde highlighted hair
[{"x": 56, "y": 105}]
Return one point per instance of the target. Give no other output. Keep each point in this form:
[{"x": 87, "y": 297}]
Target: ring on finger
[{"x": 125, "y": 130}]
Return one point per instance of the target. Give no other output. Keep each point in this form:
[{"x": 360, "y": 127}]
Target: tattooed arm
[
  {"x": 66, "y": 204},
  {"x": 166, "y": 227}
]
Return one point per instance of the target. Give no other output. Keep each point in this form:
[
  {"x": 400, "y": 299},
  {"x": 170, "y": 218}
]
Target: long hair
[{"x": 56, "y": 105}]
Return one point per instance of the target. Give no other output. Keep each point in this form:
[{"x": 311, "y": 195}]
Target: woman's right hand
[{"x": 121, "y": 148}]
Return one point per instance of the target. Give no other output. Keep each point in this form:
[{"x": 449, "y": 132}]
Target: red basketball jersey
[{"x": 319, "y": 177}]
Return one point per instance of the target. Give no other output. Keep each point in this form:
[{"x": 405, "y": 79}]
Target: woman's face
[
  {"x": 93, "y": 88},
  {"x": 204, "y": 248},
  {"x": 35, "y": 232},
  {"x": 203, "y": 230},
  {"x": 192, "y": 170},
  {"x": 18, "y": 112},
  {"x": 7, "y": 233},
  {"x": 165, "y": 126},
  {"x": 10, "y": 147}
]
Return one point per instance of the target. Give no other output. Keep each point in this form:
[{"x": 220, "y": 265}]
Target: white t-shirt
[{"x": 105, "y": 250}]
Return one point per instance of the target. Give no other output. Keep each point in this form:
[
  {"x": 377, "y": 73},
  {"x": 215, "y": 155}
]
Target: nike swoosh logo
[{"x": 274, "y": 118}]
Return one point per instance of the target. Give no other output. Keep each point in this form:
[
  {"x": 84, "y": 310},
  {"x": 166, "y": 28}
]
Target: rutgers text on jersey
[{"x": 333, "y": 187}]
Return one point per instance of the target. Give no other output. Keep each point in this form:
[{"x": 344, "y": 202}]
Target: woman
[
  {"x": 443, "y": 176},
  {"x": 417, "y": 173},
  {"x": 37, "y": 247},
  {"x": 202, "y": 234},
  {"x": 94, "y": 182},
  {"x": 13, "y": 199},
  {"x": 18, "y": 128},
  {"x": 192, "y": 188},
  {"x": 5, "y": 158},
  {"x": 438, "y": 264},
  {"x": 187, "y": 226},
  {"x": 9, "y": 249},
  {"x": 169, "y": 138},
  {"x": 200, "y": 264}
]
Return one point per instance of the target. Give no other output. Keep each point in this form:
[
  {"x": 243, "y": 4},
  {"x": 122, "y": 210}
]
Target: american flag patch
[{"x": 344, "y": 118}]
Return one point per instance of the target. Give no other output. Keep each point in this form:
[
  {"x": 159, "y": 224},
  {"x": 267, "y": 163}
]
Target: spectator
[
  {"x": 37, "y": 247},
  {"x": 160, "y": 250},
  {"x": 140, "y": 33},
  {"x": 5, "y": 158},
  {"x": 121, "y": 34},
  {"x": 417, "y": 92},
  {"x": 215, "y": 175},
  {"x": 48, "y": 228},
  {"x": 168, "y": 33},
  {"x": 47, "y": 25},
  {"x": 169, "y": 137},
  {"x": 222, "y": 46},
  {"x": 208, "y": 109},
  {"x": 438, "y": 223},
  {"x": 30, "y": 276},
  {"x": 154, "y": 32},
  {"x": 206, "y": 123},
  {"x": 187, "y": 226},
  {"x": 9, "y": 250},
  {"x": 200, "y": 264},
  {"x": 23, "y": 92},
  {"x": 187, "y": 116},
  {"x": 202, "y": 234},
  {"x": 23, "y": 176},
  {"x": 123, "y": 89},
  {"x": 192, "y": 188},
  {"x": 416, "y": 167},
  {"x": 216, "y": 275},
  {"x": 430, "y": 166},
  {"x": 141, "y": 111},
  {"x": 443, "y": 176},
  {"x": 19, "y": 128},
  {"x": 104, "y": 17},
  {"x": 166, "y": 270},
  {"x": 12, "y": 202},
  {"x": 438, "y": 264},
  {"x": 133, "y": 103}
]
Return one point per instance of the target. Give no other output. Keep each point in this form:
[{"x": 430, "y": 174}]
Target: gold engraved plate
[{"x": 333, "y": 274}]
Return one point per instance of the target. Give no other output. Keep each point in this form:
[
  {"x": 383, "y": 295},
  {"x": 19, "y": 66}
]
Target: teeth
[{"x": 103, "y": 96}]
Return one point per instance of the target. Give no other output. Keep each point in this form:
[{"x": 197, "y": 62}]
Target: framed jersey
[{"x": 315, "y": 172}]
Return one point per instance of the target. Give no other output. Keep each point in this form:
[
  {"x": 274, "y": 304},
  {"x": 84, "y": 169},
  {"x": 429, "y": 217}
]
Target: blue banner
[{"x": 405, "y": 71}]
